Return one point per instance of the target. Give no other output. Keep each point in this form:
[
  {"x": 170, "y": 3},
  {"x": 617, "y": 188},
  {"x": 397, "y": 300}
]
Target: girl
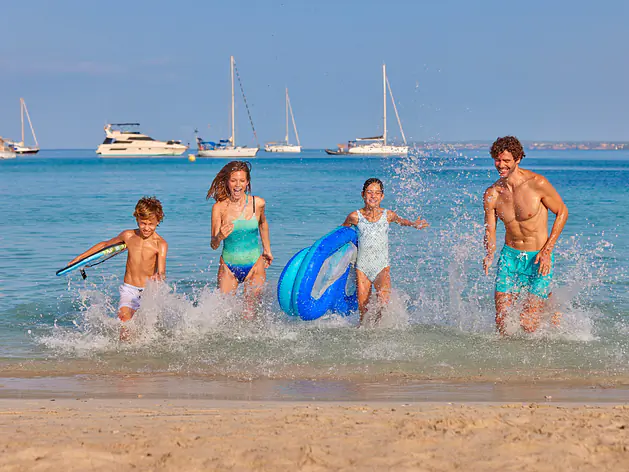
[
  {"x": 238, "y": 220},
  {"x": 372, "y": 261}
]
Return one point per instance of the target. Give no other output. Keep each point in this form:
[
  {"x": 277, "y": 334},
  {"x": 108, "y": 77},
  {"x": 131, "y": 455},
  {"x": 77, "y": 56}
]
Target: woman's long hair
[{"x": 219, "y": 190}]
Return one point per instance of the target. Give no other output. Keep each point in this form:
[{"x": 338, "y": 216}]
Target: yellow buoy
[{"x": 192, "y": 157}]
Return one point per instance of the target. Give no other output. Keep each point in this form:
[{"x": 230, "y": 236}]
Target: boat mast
[
  {"x": 233, "y": 117},
  {"x": 292, "y": 116},
  {"x": 286, "y": 139},
  {"x": 24, "y": 109},
  {"x": 22, "y": 118},
  {"x": 384, "y": 97}
]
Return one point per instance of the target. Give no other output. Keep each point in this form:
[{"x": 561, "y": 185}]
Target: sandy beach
[{"x": 167, "y": 435}]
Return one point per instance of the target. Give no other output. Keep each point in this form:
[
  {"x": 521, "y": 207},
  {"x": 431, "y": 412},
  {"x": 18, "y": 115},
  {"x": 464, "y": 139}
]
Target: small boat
[
  {"x": 6, "y": 151},
  {"x": 124, "y": 140},
  {"x": 228, "y": 147},
  {"x": 18, "y": 146},
  {"x": 377, "y": 145},
  {"x": 285, "y": 146},
  {"x": 341, "y": 150}
]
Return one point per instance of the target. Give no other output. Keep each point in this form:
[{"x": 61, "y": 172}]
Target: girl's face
[
  {"x": 373, "y": 195},
  {"x": 237, "y": 184}
]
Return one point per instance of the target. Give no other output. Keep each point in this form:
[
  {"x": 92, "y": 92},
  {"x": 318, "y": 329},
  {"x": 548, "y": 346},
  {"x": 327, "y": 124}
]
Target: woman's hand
[
  {"x": 225, "y": 231},
  {"x": 268, "y": 258}
]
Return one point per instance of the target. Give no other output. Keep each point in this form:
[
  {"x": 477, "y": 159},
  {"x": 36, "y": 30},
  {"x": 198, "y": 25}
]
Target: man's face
[
  {"x": 505, "y": 164},
  {"x": 147, "y": 226}
]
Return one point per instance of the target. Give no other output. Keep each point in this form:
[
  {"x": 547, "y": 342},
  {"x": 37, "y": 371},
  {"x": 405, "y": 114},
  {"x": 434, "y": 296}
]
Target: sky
[{"x": 459, "y": 69}]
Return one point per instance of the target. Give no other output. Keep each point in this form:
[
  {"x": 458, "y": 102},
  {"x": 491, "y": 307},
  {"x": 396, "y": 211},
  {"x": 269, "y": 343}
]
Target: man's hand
[
  {"x": 544, "y": 260},
  {"x": 487, "y": 262}
]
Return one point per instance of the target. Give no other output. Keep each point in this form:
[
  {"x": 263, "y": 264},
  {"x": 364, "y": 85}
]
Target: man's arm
[
  {"x": 97, "y": 247},
  {"x": 552, "y": 200},
  {"x": 264, "y": 234},
  {"x": 489, "y": 240}
]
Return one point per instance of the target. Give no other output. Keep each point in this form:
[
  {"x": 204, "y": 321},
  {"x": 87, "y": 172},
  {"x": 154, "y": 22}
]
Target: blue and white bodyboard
[{"x": 321, "y": 278}]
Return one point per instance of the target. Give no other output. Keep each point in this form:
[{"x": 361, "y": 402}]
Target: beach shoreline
[{"x": 150, "y": 434}]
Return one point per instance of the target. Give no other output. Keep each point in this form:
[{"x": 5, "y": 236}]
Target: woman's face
[{"x": 237, "y": 183}]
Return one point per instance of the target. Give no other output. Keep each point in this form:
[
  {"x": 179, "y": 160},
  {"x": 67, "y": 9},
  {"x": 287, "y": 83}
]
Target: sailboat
[
  {"x": 285, "y": 146},
  {"x": 376, "y": 144},
  {"x": 228, "y": 147},
  {"x": 20, "y": 147}
]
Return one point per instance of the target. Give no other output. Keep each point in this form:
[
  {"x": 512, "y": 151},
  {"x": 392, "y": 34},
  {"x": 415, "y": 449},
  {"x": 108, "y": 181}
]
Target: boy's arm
[
  {"x": 161, "y": 260},
  {"x": 489, "y": 240},
  {"x": 351, "y": 220},
  {"x": 264, "y": 233},
  {"x": 97, "y": 247},
  {"x": 419, "y": 223}
]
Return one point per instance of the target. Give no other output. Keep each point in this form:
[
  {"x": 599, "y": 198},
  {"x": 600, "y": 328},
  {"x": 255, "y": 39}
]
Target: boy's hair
[
  {"x": 147, "y": 207},
  {"x": 219, "y": 190},
  {"x": 508, "y": 143},
  {"x": 373, "y": 180}
]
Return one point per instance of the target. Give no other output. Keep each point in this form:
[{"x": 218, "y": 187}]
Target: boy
[{"x": 146, "y": 256}]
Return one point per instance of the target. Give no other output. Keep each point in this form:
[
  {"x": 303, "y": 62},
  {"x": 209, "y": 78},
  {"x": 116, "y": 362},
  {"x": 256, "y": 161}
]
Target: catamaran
[
  {"x": 124, "y": 140},
  {"x": 228, "y": 147},
  {"x": 285, "y": 146},
  {"x": 20, "y": 147},
  {"x": 377, "y": 144}
]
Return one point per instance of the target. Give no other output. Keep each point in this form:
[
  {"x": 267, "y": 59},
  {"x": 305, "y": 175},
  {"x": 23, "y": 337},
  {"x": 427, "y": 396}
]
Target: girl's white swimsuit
[{"x": 373, "y": 245}]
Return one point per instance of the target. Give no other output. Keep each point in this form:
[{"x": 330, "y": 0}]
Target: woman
[{"x": 239, "y": 221}]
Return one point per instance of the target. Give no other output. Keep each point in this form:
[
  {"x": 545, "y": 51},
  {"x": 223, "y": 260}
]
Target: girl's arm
[
  {"x": 351, "y": 220},
  {"x": 419, "y": 223},
  {"x": 264, "y": 234},
  {"x": 97, "y": 247},
  {"x": 218, "y": 232}
]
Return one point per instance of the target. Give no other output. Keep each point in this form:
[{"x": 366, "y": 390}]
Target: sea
[{"x": 437, "y": 338}]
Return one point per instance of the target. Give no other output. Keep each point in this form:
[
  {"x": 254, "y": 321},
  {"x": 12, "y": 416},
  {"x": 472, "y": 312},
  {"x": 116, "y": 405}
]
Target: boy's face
[
  {"x": 147, "y": 226},
  {"x": 237, "y": 184},
  {"x": 373, "y": 195}
]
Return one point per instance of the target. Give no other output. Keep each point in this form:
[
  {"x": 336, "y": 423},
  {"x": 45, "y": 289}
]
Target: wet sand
[{"x": 187, "y": 434}]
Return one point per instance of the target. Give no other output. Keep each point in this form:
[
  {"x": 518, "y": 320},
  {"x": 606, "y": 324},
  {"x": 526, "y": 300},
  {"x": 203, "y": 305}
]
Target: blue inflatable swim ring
[{"x": 321, "y": 278}]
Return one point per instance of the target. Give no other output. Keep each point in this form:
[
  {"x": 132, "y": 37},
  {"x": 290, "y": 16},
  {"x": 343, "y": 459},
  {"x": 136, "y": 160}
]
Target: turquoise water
[{"x": 439, "y": 325}]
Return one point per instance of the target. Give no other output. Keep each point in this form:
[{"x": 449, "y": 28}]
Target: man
[{"x": 521, "y": 199}]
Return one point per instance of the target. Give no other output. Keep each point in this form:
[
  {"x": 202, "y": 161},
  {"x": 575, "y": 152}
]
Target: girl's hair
[
  {"x": 147, "y": 207},
  {"x": 219, "y": 190},
  {"x": 373, "y": 180}
]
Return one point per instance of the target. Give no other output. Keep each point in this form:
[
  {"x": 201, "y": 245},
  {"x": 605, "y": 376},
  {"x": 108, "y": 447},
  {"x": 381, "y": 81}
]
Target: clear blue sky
[{"x": 459, "y": 69}]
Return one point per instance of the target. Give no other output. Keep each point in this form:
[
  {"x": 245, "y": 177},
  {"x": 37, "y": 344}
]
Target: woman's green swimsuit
[{"x": 241, "y": 249}]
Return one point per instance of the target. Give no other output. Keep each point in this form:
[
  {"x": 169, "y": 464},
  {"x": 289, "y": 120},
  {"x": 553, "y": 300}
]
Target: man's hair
[
  {"x": 507, "y": 143},
  {"x": 373, "y": 180},
  {"x": 219, "y": 190},
  {"x": 147, "y": 207}
]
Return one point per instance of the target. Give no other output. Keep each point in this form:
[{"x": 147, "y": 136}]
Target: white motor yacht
[
  {"x": 6, "y": 152},
  {"x": 123, "y": 140}
]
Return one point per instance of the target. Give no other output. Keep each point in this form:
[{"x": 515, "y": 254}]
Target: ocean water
[{"x": 439, "y": 325}]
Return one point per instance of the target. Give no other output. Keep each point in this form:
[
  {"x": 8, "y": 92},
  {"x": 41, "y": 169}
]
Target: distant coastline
[{"x": 533, "y": 145}]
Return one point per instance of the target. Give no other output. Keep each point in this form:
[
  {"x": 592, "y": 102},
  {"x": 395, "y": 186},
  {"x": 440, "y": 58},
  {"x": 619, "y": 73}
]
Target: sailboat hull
[
  {"x": 228, "y": 152},
  {"x": 381, "y": 150},
  {"x": 282, "y": 148},
  {"x": 25, "y": 149}
]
